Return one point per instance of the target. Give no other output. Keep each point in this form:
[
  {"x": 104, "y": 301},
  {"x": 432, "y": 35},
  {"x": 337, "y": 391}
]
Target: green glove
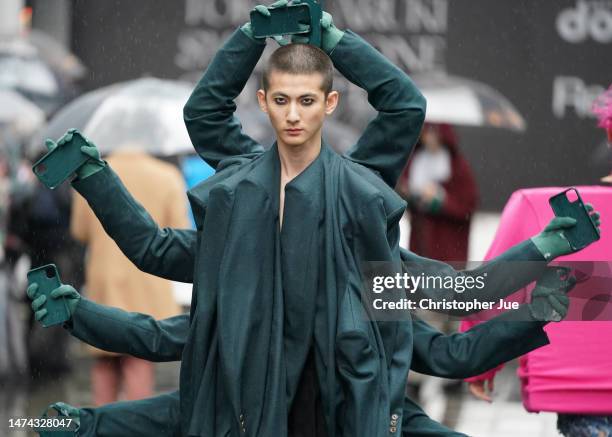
[
  {"x": 65, "y": 410},
  {"x": 246, "y": 27},
  {"x": 552, "y": 243},
  {"x": 38, "y": 302},
  {"x": 92, "y": 165},
  {"x": 549, "y": 301},
  {"x": 330, "y": 34}
]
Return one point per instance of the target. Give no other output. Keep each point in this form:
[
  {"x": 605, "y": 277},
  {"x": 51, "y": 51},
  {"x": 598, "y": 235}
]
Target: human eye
[
  {"x": 307, "y": 101},
  {"x": 280, "y": 100}
]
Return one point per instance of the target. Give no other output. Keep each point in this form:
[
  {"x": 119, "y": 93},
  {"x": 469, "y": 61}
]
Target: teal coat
[{"x": 238, "y": 370}]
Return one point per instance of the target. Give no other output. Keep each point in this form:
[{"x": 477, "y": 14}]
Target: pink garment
[{"x": 573, "y": 374}]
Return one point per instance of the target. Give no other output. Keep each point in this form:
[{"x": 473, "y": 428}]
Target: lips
[{"x": 294, "y": 131}]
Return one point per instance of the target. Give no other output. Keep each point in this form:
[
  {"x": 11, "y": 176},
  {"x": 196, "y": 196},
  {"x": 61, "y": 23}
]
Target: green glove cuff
[
  {"x": 552, "y": 245},
  {"x": 330, "y": 39},
  {"x": 248, "y": 31},
  {"x": 89, "y": 168}
]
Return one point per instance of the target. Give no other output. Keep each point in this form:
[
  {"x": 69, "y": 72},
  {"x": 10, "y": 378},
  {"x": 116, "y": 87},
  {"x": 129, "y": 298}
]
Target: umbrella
[
  {"x": 18, "y": 112},
  {"x": 149, "y": 112},
  {"x": 146, "y": 113},
  {"x": 460, "y": 101},
  {"x": 23, "y": 70}
]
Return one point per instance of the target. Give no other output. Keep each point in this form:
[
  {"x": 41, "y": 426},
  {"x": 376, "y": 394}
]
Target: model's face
[{"x": 296, "y": 106}]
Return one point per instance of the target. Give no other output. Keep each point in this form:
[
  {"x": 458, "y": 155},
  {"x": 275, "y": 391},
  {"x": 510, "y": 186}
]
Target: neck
[{"x": 294, "y": 159}]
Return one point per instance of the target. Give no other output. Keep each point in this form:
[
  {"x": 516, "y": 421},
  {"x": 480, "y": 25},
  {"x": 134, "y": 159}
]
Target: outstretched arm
[
  {"x": 462, "y": 355},
  {"x": 215, "y": 132},
  {"x": 165, "y": 252},
  {"x": 115, "y": 330}
]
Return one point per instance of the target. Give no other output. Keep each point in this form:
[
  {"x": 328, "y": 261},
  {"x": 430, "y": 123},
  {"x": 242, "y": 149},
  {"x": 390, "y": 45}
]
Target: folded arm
[
  {"x": 215, "y": 132},
  {"x": 388, "y": 139}
]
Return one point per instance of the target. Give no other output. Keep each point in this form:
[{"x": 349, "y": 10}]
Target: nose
[{"x": 293, "y": 116}]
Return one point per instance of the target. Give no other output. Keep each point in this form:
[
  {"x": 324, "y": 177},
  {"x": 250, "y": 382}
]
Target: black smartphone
[{"x": 568, "y": 203}]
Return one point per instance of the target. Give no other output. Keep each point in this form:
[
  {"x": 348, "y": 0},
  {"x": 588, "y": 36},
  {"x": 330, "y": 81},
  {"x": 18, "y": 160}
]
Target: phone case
[
  {"x": 60, "y": 163},
  {"x": 48, "y": 280},
  {"x": 286, "y": 21},
  {"x": 585, "y": 231}
]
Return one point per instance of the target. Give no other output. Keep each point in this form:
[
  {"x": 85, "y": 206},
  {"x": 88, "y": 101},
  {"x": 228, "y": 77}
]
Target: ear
[
  {"x": 261, "y": 99},
  {"x": 331, "y": 102}
]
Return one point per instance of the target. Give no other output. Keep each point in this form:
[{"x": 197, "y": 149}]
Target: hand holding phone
[
  {"x": 568, "y": 203},
  {"x": 42, "y": 282}
]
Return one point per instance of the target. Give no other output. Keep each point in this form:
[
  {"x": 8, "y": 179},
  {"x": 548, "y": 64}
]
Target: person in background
[
  {"x": 438, "y": 185},
  {"x": 442, "y": 195},
  {"x": 159, "y": 187}
]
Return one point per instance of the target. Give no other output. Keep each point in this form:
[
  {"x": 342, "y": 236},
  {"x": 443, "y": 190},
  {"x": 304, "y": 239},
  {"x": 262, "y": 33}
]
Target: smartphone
[
  {"x": 568, "y": 203},
  {"x": 282, "y": 21},
  {"x": 48, "y": 280},
  {"x": 62, "y": 162}
]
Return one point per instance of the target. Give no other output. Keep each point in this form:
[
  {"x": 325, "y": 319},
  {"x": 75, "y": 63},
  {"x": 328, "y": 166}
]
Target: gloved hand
[
  {"x": 262, "y": 9},
  {"x": 330, "y": 34},
  {"x": 66, "y": 410},
  {"x": 549, "y": 301},
  {"x": 552, "y": 243},
  {"x": 38, "y": 302},
  {"x": 93, "y": 165}
]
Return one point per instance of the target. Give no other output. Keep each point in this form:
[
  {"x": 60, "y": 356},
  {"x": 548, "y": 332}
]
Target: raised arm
[
  {"x": 388, "y": 139},
  {"x": 215, "y": 132}
]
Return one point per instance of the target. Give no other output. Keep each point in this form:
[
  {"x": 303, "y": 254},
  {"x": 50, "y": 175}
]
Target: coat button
[
  {"x": 392, "y": 430},
  {"x": 394, "y": 416},
  {"x": 393, "y": 422}
]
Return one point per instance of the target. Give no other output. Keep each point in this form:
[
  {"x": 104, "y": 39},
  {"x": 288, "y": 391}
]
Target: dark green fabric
[
  {"x": 229, "y": 347},
  {"x": 158, "y": 416}
]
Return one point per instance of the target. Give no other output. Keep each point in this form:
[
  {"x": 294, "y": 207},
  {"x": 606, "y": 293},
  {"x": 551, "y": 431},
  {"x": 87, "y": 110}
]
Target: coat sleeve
[
  {"x": 165, "y": 252},
  {"x": 215, "y": 132},
  {"x": 388, "y": 139},
  {"x": 158, "y": 416},
  {"x": 115, "y": 330},
  {"x": 416, "y": 423},
  {"x": 502, "y": 276},
  {"x": 462, "y": 355}
]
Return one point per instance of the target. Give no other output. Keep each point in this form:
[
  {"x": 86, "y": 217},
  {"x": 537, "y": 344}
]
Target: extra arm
[
  {"x": 164, "y": 252},
  {"x": 388, "y": 139},
  {"x": 215, "y": 132},
  {"x": 503, "y": 275},
  {"x": 462, "y": 355},
  {"x": 115, "y": 330}
]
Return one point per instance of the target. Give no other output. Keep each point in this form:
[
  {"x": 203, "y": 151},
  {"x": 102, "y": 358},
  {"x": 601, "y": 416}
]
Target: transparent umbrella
[
  {"x": 19, "y": 113},
  {"x": 146, "y": 113},
  {"x": 461, "y": 101}
]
